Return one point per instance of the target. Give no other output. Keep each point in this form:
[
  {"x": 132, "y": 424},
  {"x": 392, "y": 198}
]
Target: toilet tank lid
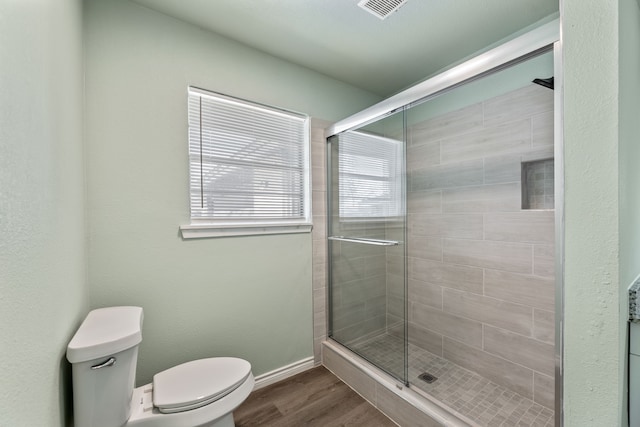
[{"x": 104, "y": 332}]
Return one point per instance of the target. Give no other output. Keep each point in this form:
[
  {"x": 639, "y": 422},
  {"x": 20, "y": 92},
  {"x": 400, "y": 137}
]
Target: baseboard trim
[{"x": 284, "y": 372}]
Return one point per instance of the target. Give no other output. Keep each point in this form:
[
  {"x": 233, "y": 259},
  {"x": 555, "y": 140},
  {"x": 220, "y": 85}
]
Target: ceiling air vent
[{"x": 381, "y": 8}]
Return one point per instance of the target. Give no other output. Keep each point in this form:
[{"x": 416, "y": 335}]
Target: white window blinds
[
  {"x": 249, "y": 164},
  {"x": 369, "y": 176}
]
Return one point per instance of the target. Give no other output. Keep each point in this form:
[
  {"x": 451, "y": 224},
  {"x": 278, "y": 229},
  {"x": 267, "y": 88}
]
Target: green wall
[
  {"x": 197, "y": 294},
  {"x": 245, "y": 296},
  {"x": 42, "y": 250},
  {"x": 601, "y": 65},
  {"x": 629, "y": 154},
  {"x": 592, "y": 347}
]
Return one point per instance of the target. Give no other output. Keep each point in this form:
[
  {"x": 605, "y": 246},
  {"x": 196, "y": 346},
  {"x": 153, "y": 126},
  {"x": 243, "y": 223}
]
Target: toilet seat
[{"x": 198, "y": 383}]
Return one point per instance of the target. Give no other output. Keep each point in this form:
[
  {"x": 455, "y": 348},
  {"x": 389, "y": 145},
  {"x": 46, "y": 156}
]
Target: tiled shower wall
[
  {"x": 481, "y": 269},
  {"x": 319, "y": 234}
]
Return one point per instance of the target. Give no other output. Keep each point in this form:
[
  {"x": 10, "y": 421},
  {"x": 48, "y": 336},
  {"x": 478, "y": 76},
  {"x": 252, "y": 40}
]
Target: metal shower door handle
[{"x": 376, "y": 242}]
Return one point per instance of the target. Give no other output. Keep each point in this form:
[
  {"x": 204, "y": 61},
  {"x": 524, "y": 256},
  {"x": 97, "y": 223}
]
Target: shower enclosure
[{"x": 442, "y": 243}]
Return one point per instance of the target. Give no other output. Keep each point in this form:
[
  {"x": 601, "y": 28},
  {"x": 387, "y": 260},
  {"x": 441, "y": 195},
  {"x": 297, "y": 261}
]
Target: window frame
[{"x": 243, "y": 225}]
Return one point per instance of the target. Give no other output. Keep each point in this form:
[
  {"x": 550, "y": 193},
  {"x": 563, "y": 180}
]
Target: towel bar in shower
[{"x": 377, "y": 242}]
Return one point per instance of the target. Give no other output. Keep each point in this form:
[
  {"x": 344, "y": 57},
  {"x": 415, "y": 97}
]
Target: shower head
[{"x": 548, "y": 83}]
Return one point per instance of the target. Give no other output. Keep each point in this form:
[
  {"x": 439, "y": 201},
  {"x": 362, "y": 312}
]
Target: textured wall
[
  {"x": 42, "y": 250},
  {"x": 592, "y": 347},
  {"x": 629, "y": 105},
  {"x": 247, "y": 296}
]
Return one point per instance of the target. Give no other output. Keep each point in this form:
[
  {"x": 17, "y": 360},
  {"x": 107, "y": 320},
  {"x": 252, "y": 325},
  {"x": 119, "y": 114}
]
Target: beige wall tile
[
  {"x": 426, "y": 202},
  {"x": 319, "y": 323},
  {"x": 424, "y": 247},
  {"x": 419, "y": 156},
  {"x": 319, "y": 274},
  {"x": 538, "y": 153},
  {"x": 515, "y": 257},
  {"x": 318, "y": 154},
  {"x": 542, "y": 130},
  {"x": 457, "y": 226},
  {"x": 544, "y": 327},
  {"x": 483, "y": 198},
  {"x": 514, "y": 377},
  {"x": 344, "y": 269},
  {"x": 503, "y": 314},
  {"x": 424, "y": 339},
  {"x": 319, "y": 249},
  {"x": 395, "y": 265},
  {"x": 375, "y": 306},
  {"x": 529, "y": 101},
  {"x": 448, "y": 275},
  {"x": 395, "y": 306},
  {"x": 375, "y": 266},
  {"x": 533, "y": 291},
  {"x": 317, "y": 349},
  {"x": 447, "y": 176},
  {"x": 525, "y": 226},
  {"x": 318, "y": 179},
  {"x": 440, "y": 322},
  {"x": 401, "y": 411},
  {"x": 395, "y": 325},
  {"x": 446, "y": 125},
  {"x": 425, "y": 293},
  {"x": 544, "y": 390},
  {"x": 356, "y": 331},
  {"x": 502, "y": 169},
  {"x": 319, "y": 203},
  {"x": 519, "y": 349},
  {"x": 544, "y": 260},
  {"x": 357, "y": 292},
  {"x": 394, "y": 230},
  {"x": 507, "y": 168},
  {"x": 319, "y": 231},
  {"x": 346, "y": 310},
  {"x": 514, "y": 137},
  {"x": 319, "y": 300},
  {"x": 395, "y": 285}
]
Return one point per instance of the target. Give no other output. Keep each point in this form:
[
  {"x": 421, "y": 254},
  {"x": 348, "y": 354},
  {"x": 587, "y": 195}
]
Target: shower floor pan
[{"x": 460, "y": 390}]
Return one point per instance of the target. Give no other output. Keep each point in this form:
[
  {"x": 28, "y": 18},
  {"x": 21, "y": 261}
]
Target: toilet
[{"x": 104, "y": 356}]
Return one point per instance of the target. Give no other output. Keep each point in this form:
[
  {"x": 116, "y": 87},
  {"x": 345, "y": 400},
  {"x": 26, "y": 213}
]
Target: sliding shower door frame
[
  {"x": 543, "y": 39},
  {"x": 399, "y": 241}
]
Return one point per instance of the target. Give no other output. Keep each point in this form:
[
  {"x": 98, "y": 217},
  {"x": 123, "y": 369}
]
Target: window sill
[{"x": 200, "y": 231}]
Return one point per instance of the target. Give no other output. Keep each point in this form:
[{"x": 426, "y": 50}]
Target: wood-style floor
[{"x": 312, "y": 398}]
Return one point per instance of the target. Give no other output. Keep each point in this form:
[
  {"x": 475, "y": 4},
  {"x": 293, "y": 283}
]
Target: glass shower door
[{"x": 367, "y": 229}]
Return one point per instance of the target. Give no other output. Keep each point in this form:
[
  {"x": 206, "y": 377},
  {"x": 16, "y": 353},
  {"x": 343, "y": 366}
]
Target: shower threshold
[{"x": 463, "y": 392}]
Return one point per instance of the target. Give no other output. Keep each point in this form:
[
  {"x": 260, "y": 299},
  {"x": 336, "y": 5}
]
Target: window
[
  {"x": 249, "y": 168},
  {"x": 370, "y": 176}
]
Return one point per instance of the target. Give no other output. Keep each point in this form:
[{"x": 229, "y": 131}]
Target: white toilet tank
[{"x": 104, "y": 353}]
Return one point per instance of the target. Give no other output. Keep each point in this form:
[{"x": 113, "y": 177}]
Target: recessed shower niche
[{"x": 538, "y": 184}]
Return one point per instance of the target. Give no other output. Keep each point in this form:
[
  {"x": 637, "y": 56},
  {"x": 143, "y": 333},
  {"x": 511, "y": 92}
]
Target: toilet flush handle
[{"x": 109, "y": 362}]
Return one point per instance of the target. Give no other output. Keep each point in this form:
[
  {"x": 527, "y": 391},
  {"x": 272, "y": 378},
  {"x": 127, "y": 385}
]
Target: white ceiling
[{"x": 339, "y": 39}]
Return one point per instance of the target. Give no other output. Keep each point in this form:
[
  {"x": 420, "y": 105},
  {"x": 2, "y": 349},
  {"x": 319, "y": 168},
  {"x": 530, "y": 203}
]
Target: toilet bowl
[{"x": 103, "y": 353}]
